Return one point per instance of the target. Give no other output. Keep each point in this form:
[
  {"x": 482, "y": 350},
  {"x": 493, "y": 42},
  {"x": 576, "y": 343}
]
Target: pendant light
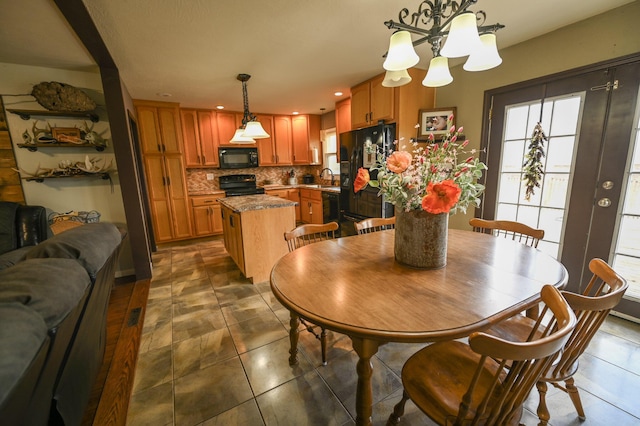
[
  {"x": 396, "y": 78},
  {"x": 251, "y": 128}
]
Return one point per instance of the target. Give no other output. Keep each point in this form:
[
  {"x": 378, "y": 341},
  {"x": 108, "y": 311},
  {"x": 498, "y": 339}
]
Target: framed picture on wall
[{"x": 434, "y": 121}]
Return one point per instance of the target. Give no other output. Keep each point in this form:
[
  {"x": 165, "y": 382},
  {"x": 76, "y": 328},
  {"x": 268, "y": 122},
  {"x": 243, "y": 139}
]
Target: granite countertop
[
  {"x": 246, "y": 203},
  {"x": 206, "y": 192},
  {"x": 326, "y": 188}
]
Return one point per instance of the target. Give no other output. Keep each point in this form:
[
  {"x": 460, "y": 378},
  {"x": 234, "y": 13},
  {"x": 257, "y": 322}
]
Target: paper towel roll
[{"x": 314, "y": 156}]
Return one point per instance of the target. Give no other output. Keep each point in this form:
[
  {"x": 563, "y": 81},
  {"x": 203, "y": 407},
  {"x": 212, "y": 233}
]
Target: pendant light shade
[
  {"x": 486, "y": 56},
  {"x": 438, "y": 74},
  {"x": 254, "y": 130},
  {"x": 401, "y": 55},
  {"x": 396, "y": 78},
  {"x": 239, "y": 139},
  {"x": 463, "y": 36}
]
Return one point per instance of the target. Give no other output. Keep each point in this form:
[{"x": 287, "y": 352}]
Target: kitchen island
[{"x": 254, "y": 227}]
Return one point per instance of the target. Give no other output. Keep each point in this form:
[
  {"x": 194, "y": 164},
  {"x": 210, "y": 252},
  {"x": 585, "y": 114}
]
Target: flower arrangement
[{"x": 432, "y": 178}]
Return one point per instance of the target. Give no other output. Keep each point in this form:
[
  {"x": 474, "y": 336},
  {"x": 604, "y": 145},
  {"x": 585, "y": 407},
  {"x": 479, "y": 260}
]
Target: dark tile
[
  {"x": 201, "y": 352},
  {"x": 245, "y": 414},
  {"x": 197, "y": 323},
  {"x": 245, "y": 309},
  {"x": 256, "y": 332},
  {"x": 152, "y": 407},
  {"x": 208, "y": 392}
]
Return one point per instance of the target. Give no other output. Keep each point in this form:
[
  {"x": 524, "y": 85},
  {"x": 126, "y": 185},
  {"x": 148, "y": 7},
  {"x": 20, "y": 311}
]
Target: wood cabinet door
[
  {"x": 202, "y": 221},
  {"x": 170, "y": 130},
  {"x": 208, "y": 131},
  {"x": 300, "y": 139},
  {"x": 294, "y": 195},
  {"x": 216, "y": 219},
  {"x": 382, "y": 101},
  {"x": 343, "y": 116},
  {"x": 177, "y": 188},
  {"x": 282, "y": 139},
  {"x": 266, "y": 152},
  {"x": 305, "y": 210},
  {"x": 360, "y": 105},
  {"x": 190, "y": 137},
  {"x": 149, "y": 130},
  {"x": 161, "y": 216},
  {"x": 316, "y": 212},
  {"x": 226, "y": 127}
]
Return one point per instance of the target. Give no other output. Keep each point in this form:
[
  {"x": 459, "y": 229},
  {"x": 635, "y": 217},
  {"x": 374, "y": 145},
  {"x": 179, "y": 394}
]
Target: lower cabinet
[
  {"x": 232, "y": 226},
  {"x": 289, "y": 194},
  {"x": 311, "y": 206},
  {"x": 207, "y": 215}
]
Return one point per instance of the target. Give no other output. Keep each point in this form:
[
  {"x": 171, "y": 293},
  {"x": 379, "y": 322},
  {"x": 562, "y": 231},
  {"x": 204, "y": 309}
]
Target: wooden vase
[{"x": 421, "y": 239}]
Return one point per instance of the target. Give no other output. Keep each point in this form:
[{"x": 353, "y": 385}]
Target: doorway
[{"x": 587, "y": 201}]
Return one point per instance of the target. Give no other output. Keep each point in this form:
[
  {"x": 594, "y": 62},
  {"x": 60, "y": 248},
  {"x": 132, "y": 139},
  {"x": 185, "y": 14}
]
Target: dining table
[{"x": 353, "y": 285}]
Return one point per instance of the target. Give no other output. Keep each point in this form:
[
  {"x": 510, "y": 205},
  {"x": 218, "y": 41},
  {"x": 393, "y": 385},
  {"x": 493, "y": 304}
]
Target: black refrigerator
[{"x": 358, "y": 148}]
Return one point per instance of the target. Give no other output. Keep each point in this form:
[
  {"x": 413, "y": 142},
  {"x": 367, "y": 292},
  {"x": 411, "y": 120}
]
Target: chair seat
[{"x": 438, "y": 395}]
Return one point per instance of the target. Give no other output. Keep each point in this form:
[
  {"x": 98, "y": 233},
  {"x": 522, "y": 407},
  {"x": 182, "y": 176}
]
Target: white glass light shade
[
  {"x": 463, "y": 36},
  {"x": 486, "y": 56},
  {"x": 238, "y": 138},
  {"x": 401, "y": 54},
  {"x": 254, "y": 130},
  {"x": 396, "y": 78},
  {"x": 438, "y": 74}
]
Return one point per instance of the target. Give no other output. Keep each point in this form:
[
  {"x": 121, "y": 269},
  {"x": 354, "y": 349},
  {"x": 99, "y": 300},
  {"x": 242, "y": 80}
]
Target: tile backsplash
[{"x": 197, "y": 178}]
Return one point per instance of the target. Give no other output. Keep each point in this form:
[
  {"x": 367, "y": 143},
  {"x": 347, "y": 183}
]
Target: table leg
[
  {"x": 294, "y": 323},
  {"x": 364, "y": 392}
]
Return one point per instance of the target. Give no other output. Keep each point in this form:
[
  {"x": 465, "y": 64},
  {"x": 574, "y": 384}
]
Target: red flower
[
  {"x": 361, "y": 180},
  {"x": 441, "y": 197},
  {"x": 399, "y": 161}
]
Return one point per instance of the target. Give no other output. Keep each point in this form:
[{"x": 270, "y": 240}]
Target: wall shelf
[
  {"x": 104, "y": 176},
  {"x": 33, "y": 147},
  {"x": 26, "y": 114}
]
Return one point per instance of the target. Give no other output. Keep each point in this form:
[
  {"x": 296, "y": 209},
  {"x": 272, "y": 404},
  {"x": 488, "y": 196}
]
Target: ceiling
[{"x": 299, "y": 52}]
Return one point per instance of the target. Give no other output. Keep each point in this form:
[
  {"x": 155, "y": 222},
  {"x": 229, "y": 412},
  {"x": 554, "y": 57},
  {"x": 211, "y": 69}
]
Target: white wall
[{"x": 63, "y": 195}]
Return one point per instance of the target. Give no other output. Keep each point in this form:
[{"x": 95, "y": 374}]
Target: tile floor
[{"x": 215, "y": 347}]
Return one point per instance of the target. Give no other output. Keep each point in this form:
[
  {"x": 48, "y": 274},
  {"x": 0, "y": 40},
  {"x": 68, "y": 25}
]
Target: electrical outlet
[{"x": 209, "y": 176}]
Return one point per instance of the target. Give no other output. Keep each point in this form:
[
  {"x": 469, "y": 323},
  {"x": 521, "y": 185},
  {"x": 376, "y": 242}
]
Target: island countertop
[{"x": 246, "y": 203}]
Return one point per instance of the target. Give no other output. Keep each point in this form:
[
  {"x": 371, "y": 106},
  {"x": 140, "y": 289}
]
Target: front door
[{"x": 588, "y": 199}]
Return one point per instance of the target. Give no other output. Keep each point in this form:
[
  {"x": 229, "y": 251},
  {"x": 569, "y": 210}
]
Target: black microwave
[{"x": 238, "y": 158}]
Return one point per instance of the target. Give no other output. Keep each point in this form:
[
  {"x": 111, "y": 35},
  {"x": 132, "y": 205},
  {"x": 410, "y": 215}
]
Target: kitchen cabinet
[
  {"x": 305, "y": 136},
  {"x": 311, "y": 206},
  {"x": 170, "y": 210},
  {"x": 159, "y": 126},
  {"x": 276, "y": 149},
  {"x": 343, "y": 116},
  {"x": 289, "y": 194},
  {"x": 232, "y": 228},
  {"x": 207, "y": 215},
  {"x": 371, "y": 102},
  {"x": 200, "y": 135},
  {"x": 161, "y": 141},
  {"x": 228, "y": 122}
]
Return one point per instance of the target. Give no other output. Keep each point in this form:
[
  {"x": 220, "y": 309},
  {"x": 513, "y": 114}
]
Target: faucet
[{"x": 330, "y": 171}]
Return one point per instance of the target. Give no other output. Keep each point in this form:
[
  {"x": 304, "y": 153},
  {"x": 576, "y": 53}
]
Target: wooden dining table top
[{"x": 353, "y": 285}]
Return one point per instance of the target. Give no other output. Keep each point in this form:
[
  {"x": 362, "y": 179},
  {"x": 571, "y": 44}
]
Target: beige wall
[
  {"x": 607, "y": 36},
  {"x": 65, "y": 194}
]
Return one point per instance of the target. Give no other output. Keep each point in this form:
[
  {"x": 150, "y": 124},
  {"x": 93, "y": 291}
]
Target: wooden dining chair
[
  {"x": 455, "y": 383},
  {"x": 508, "y": 229},
  {"x": 301, "y": 236},
  {"x": 512, "y": 230},
  {"x": 603, "y": 293},
  {"x": 375, "y": 224}
]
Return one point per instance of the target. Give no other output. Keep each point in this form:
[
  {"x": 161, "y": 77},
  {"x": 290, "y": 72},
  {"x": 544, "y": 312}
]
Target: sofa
[{"x": 54, "y": 295}]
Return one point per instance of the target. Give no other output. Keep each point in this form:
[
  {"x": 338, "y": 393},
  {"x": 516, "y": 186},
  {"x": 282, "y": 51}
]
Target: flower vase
[{"x": 421, "y": 239}]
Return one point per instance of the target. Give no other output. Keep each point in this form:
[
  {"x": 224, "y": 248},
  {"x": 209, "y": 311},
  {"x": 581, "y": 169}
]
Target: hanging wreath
[{"x": 532, "y": 167}]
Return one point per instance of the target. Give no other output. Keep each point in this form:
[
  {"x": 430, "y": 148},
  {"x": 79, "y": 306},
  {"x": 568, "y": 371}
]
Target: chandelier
[
  {"x": 251, "y": 128},
  {"x": 454, "y": 32}
]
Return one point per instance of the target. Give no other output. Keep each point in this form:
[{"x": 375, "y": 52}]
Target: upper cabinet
[
  {"x": 276, "y": 149},
  {"x": 200, "y": 134},
  {"x": 228, "y": 123},
  {"x": 305, "y": 136},
  {"x": 343, "y": 116},
  {"x": 159, "y": 128},
  {"x": 371, "y": 102}
]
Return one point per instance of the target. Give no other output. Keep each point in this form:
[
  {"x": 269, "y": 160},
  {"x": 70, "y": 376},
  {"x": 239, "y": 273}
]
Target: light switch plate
[{"x": 209, "y": 176}]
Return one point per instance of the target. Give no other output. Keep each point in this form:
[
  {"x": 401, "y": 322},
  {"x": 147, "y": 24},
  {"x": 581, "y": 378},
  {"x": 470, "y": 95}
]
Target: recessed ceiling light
[
  {"x": 220, "y": 106},
  {"x": 295, "y": 113},
  {"x": 338, "y": 93},
  {"x": 164, "y": 94}
]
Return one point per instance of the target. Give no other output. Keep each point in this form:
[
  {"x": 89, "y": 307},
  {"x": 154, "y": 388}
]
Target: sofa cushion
[
  {"x": 8, "y": 236},
  {"x": 23, "y": 334},
  {"x": 91, "y": 245},
  {"x": 12, "y": 257},
  {"x": 51, "y": 287}
]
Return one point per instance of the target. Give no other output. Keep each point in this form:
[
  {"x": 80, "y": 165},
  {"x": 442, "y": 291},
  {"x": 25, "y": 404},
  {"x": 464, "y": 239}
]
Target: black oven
[{"x": 238, "y": 158}]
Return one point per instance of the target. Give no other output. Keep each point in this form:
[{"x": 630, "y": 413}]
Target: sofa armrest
[{"x": 32, "y": 225}]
